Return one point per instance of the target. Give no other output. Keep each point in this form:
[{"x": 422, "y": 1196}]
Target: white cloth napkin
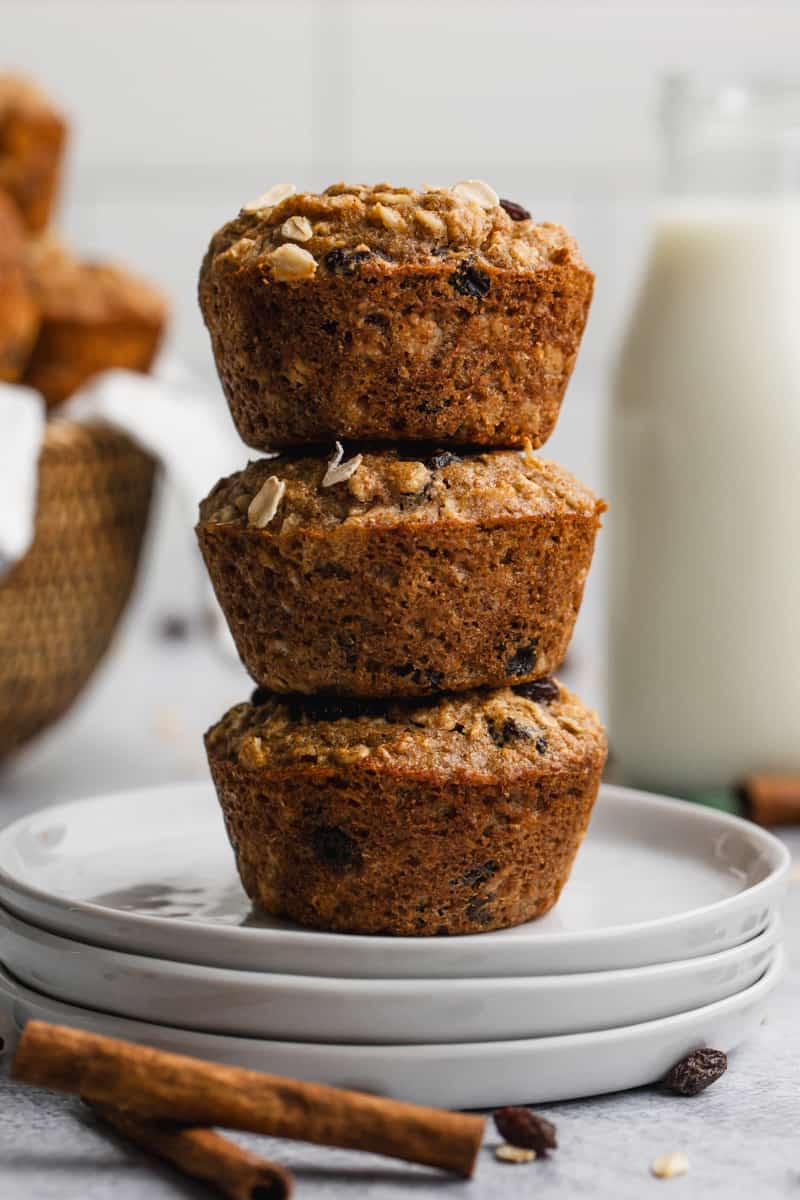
[{"x": 168, "y": 413}]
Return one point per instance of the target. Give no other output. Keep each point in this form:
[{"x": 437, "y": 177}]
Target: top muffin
[
  {"x": 389, "y": 313},
  {"x": 399, "y": 224}
]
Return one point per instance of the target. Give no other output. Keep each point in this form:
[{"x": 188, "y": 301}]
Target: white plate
[
  {"x": 151, "y": 872},
  {"x": 462, "y": 1075},
  {"x": 381, "y": 1011}
]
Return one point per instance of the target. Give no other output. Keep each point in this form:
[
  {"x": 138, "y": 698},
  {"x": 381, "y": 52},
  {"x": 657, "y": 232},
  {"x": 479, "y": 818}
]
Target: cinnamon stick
[
  {"x": 773, "y": 799},
  {"x": 163, "y": 1086},
  {"x": 203, "y": 1154}
]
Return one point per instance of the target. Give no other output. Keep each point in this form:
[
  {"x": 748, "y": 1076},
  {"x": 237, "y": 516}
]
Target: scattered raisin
[
  {"x": 442, "y": 458},
  {"x": 435, "y": 677},
  {"x": 260, "y": 695},
  {"x": 515, "y": 211},
  {"x": 330, "y": 326},
  {"x": 521, "y": 1127},
  {"x": 402, "y": 669},
  {"x": 469, "y": 280},
  {"x": 334, "y": 848},
  {"x": 377, "y": 318},
  {"x": 696, "y": 1072},
  {"x": 541, "y": 744},
  {"x": 345, "y": 262},
  {"x": 523, "y": 661},
  {"x": 541, "y": 691}
]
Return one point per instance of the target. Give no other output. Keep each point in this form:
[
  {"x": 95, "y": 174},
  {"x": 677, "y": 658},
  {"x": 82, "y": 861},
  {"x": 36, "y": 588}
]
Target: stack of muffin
[{"x": 406, "y": 764}]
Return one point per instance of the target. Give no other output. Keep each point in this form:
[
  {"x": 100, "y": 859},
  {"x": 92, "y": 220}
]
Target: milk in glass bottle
[{"x": 705, "y": 455}]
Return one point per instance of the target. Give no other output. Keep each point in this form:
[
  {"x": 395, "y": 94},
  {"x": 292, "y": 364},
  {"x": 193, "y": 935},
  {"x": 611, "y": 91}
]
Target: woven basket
[{"x": 60, "y": 604}]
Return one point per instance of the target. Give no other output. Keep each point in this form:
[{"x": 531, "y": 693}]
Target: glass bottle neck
[{"x": 733, "y": 140}]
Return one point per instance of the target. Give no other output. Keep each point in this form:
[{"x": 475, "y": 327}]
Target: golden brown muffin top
[
  {"x": 283, "y": 493},
  {"x": 69, "y": 288},
  {"x": 511, "y": 731},
  {"x": 349, "y": 226}
]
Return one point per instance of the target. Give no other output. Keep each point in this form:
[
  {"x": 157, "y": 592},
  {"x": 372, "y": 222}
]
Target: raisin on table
[
  {"x": 521, "y": 1127},
  {"x": 696, "y": 1072}
]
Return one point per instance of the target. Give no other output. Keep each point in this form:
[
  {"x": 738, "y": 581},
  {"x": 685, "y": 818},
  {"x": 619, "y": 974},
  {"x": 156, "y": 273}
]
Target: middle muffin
[{"x": 397, "y": 574}]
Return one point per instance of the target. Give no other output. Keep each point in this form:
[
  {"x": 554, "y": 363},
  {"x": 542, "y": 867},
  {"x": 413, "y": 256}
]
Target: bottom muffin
[{"x": 453, "y": 815}]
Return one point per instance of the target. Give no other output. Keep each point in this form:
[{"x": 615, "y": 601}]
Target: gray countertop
[
  {"x": 740, "y": 1137},
  {"x": 141, "y": 724}
]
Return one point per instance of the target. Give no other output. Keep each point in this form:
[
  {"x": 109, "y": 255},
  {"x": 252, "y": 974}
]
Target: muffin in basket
[
  {"x": 450, "y": 815},
  {"x": 393, "y": 314},
  {"x": 19, "y": 309},
  {"x": 94, "y": 316},
  {"x": 399, "y": 572},
  {"x": 32, "y": 137}
]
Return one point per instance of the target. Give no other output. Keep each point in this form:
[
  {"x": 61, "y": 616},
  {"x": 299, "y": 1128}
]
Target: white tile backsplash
[
  {"x": 172, "y": 84},
  {"x": 184, "y": 108}
]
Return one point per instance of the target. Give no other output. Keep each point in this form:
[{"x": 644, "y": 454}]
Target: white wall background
[{"x": 183, "y": 109}]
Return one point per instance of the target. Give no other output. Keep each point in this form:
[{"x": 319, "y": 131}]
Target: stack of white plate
[{"x": 124, "y": 915}]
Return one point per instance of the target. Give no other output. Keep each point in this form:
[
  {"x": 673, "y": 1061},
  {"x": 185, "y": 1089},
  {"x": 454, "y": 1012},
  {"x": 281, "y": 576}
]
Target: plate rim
[
  {"x": 776, "y": 853},
  {"x": 770, "y": 937},
  {"x": 14, "y": 989}
]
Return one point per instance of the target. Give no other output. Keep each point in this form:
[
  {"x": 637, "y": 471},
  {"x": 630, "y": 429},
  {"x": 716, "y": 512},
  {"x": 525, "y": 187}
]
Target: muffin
[
  {"x": 390, "y": 314},
  {"x": 94, "y": 316},
  {"x": 455, "y": 814},
  {"x": 399, "y": 573},
  {"x": 32, "y": 137},
  {"x": 19, "y": 310}
]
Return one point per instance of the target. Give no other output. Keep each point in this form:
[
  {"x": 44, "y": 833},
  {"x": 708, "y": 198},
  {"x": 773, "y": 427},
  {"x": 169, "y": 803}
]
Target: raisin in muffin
[
  {"x": 392, "y": 314},
  {"x": 32, "y": 137},
  {"x": 94, "y": 316},
  {"x": 19, "y": 310},
  {"x": 388, "y": 575},
  {"x": 455, "y": 814}
]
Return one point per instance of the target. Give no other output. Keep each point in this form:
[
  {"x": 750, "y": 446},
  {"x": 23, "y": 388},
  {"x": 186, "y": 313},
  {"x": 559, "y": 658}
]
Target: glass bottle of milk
[{"x": 704, "y": 673}]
